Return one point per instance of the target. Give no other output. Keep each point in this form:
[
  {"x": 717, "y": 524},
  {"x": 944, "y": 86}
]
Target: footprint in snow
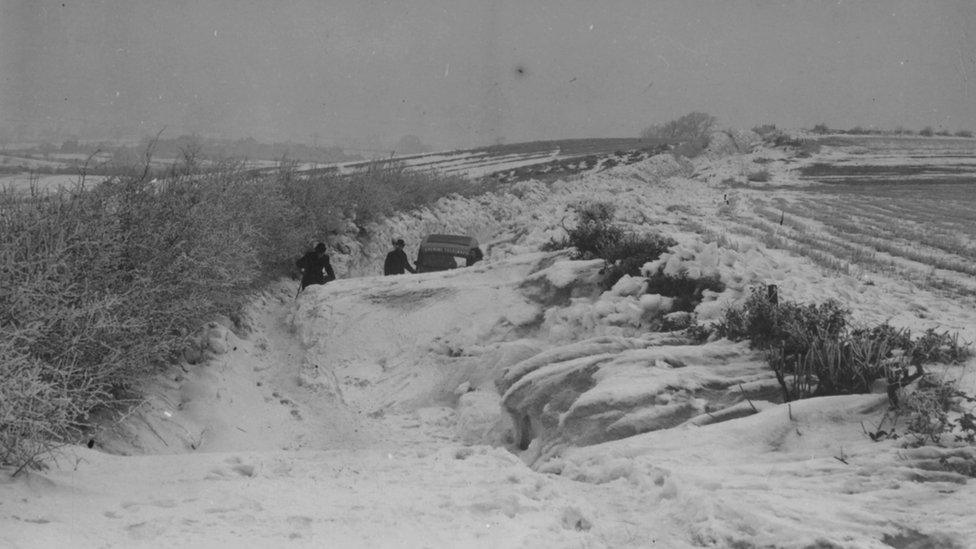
[{"x": 237, "y": 468}]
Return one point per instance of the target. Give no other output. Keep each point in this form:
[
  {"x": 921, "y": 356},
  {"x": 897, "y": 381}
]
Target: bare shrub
[{"x": 689, "y": 134}]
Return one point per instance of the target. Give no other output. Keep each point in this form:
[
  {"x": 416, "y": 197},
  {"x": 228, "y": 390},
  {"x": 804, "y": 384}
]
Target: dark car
[{"x": 440, "y": 252}]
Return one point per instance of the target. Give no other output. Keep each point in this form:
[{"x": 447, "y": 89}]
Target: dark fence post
[{"x": 772, "y": 294}]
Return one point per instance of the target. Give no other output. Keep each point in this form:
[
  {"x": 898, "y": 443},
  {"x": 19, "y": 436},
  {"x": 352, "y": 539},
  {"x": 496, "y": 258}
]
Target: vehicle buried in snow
[{"x": 440, "y": 252}]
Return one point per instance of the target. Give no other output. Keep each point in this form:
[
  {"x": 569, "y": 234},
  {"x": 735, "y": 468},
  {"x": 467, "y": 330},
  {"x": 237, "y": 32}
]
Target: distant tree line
[{"x": 927, "y": 131}]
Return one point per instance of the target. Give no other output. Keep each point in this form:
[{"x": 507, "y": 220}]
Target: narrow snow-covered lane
[{"x": 305, "y": 434}]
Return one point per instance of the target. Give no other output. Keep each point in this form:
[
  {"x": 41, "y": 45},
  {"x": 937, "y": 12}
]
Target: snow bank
[
  {"x": 731, "y": 141},
  {"x": 610, "y": 388},
  {"x": 791, "y": 475}
]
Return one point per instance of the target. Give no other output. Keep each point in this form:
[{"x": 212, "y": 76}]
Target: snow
[
  {"x": 511, "y": 404},
  {"x": 24, "y": 182},
  {"x": 464, "y": 163}
]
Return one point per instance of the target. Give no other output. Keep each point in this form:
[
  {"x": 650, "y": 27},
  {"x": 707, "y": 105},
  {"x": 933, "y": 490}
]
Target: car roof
[
  {"x": 448, "y": 244},
  {"x": 457, "y": 240}
]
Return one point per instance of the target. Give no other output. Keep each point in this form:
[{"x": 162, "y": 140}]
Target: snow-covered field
[
  {"x": 515, "y": 404},
  {"x": 44, "y": 183},
  {"x": 517, "y": 161}
]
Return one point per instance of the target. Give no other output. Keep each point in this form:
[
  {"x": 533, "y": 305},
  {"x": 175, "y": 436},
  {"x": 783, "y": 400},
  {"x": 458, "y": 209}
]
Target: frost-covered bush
[
  {"x": 99, "y": 287},
  {"x": 807, "y": 346},
  {"x": 593, "y": 233},
  {"x": 34, "y": 408},
  {"x": 595, "y": 236},
  {"x": 932, "y": 346},
  {"x": 789, "y": 325},
  {"x": 935, "y": 412},
  {"x": 630, "y": 253},
  {"x": 814, "y": 352},
  {"x": 936, "y": 409}
]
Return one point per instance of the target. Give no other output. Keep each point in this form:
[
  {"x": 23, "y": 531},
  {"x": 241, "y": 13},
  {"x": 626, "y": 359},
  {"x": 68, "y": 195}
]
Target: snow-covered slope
[
  {"x": 512, "y": 404},
  {"x": 519, "y": 161}
]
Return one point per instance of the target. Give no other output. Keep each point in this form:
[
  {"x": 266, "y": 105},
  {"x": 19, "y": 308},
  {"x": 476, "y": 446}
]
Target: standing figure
[
  {"x": 315, "y": 266},
  {"x": 474, "y": 256},
  {"x": 396, "y": 261}
]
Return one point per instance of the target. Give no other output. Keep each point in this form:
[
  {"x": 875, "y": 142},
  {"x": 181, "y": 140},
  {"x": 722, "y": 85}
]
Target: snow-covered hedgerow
[{"x": 99, "y": 287}]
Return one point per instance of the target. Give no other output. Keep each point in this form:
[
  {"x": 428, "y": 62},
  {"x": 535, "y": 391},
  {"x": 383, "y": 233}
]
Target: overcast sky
[{"x": 460, "y": 73}]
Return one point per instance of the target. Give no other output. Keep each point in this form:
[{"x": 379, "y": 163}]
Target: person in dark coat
[
  {"x": 396, "y": 261},
  {"x": 474, "y": 256},
  {"x": 315, "y": 266}
]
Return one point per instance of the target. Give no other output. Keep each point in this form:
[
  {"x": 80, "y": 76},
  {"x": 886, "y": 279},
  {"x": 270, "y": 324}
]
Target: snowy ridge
[{"x": 518, "y": 162}]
